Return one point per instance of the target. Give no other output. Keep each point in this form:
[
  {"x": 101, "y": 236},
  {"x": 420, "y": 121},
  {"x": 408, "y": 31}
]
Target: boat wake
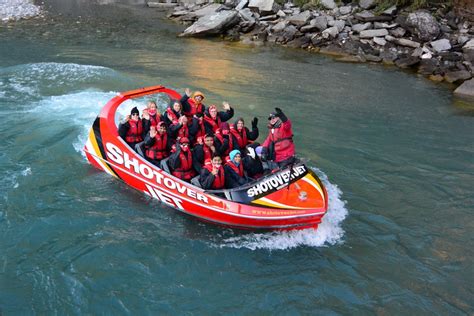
[{"x": 329, "y": 232}]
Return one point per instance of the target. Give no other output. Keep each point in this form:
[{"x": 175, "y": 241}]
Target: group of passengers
[{"x": 198, "y": 140}]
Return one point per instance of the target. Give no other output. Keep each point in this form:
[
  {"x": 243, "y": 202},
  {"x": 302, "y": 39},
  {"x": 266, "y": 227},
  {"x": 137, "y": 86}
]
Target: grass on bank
[{"x": 381, "y": 4}]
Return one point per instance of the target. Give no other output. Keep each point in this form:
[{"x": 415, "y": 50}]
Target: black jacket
[{"x": 232, "y": 179}]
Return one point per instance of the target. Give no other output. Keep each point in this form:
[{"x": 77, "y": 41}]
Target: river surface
[{"x": 395, "y": 151}]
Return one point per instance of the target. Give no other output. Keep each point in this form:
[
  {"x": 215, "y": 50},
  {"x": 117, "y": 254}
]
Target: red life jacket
[
  {"x": 155, "y": 119},
  {"x": 239, "y": 170},
  {"x": 183, "y": 132},
  {"x": 282, "y": 137},
  {"x": 219, "y": 179},
  {"x": 193, "y": 109},
  {"x": 185, "y": 170},
  {"x": 158, "y": 151},
  {"x": 201, "y": 131},
  {"x": 134, "y": 133},
  {"x": 214, "y": 123},
  {"x": 207, "y": 152},
  {"x": 172, "y": 115},
  {"x": 241, "y": 138}
]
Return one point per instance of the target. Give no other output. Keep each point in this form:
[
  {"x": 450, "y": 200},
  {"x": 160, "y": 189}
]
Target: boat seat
[
  {"x": 164, "y": 165},
  {"x": 195, "y": 181},
  {"x": 140, "y": 149}
]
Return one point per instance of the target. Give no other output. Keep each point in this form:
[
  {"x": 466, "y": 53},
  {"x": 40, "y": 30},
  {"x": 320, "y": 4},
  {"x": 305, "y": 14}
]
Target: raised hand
[
  {"x": 279, "y": 111},
  {"x": 188, "y": 92},
  {"x": 254, "y": 122},
  {"x": 152, "y": 131},
  {"x": 145, "y": 114},
  {"x": 226, "y": 105},
  {"x": 215, "y": 171}
]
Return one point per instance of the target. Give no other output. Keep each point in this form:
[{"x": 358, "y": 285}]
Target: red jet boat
[{"x": 291, "y": 198}]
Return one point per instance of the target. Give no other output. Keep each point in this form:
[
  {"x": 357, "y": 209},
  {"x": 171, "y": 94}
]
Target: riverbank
[
  {"x": 435, "y": 43},
  {"x": 13, "y": 10}
]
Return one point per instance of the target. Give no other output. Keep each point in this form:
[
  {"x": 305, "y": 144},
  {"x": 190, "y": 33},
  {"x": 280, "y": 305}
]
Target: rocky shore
[
  {"x": 436, "y": 43},
  {"x": 12, "y": 10}
]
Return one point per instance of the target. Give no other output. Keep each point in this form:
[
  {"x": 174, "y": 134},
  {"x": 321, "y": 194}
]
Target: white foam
[
  {"x": 18, "y": 9},
  {"x": 30, "y": 80},
  {"x": 329, "y": 232},
  {"x": 26, "y": 172}
]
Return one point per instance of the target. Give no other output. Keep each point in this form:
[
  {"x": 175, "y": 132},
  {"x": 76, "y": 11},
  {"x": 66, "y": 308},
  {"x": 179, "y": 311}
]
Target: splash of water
[
  {"x": 329, "y": 232},
  {"x": 33, "y": 81},
  {"x": 17, "y": 9}
]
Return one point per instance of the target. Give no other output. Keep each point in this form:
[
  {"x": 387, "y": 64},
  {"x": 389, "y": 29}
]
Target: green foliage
[
  {"x": 412, "y": 4},
  {"x": 381, "y": 4}
]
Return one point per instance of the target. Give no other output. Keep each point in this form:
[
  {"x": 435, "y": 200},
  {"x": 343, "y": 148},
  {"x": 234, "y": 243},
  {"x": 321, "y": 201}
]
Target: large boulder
[
  {"x": 321, "y": 22},
  {"x": 209, "y": 9},
  {"x": 454, "y": 76},
  {"x": 373, "y": 33},
  {"x": 263, "y": 6},
  {"x": 367, "y": 4},
  {"x": 359, "y": 27},
  {"x": 300, "y": 18},
  {"x": 441, "y": 45},
  {"x": 328, "y": 4},
  {"x": 402, "y": 41},
  {"x": 331, "y": 32},
  {"x": 466, "y": 89},
  {"x": 213, "y": 24},
  {"x": 423, "y": 25},
  {"x": 407, "y": 61}
]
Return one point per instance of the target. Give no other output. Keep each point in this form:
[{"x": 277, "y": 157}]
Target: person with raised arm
[
  {"x": 150, "y": 116},
  {"x": 181, "y": 161},
  {"x": 131, "y": 130},
  {"x": 192, "y": 105},
  {"x": 157, "y": 144},
  {"x": 278, "y": 146},
  {"x": 214, "y": 118},
  {"x": 212, "y": 176},
  {"x": 240, "y": 134}
]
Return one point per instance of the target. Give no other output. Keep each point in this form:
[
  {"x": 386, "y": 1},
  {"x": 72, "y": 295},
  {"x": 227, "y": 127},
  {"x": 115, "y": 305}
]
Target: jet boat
[{"x": 290, "y": 198}]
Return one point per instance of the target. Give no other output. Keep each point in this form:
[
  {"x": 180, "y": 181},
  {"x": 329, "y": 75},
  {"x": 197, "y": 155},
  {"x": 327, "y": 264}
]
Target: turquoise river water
[{"x": 395, "y": 151}]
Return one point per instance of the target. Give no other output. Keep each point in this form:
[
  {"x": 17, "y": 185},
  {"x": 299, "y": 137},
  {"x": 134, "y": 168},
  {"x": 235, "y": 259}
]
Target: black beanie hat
[{"x": 134, "y": 110}]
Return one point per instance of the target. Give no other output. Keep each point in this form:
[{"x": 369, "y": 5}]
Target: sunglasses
[{"x": 271, "y": 117}]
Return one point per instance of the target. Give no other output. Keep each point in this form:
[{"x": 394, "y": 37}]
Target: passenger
[
  {"x": 252, "y": 164},
  {"x": 191, "y": 108},
  {"x": 234, "y": 171},
  {"x": 213, "y": 118},
  {"x": 181, "y": 161},
  {"x": 131, "y": 130},
  {"x": 204, "y": 152},
  {"x": 182, "y": 129},
  {"x": 173, "y": 113},
  {"x": 241, "y": 136},
  {"x": 150, "y": 116},
  {"x": 213, "y": 175},
  {"x": 278, "y": 146},
  {"x": 221, "y": 139},
  {"x": 158, "y": 144},
  {"x": 196, "y": 128}
]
